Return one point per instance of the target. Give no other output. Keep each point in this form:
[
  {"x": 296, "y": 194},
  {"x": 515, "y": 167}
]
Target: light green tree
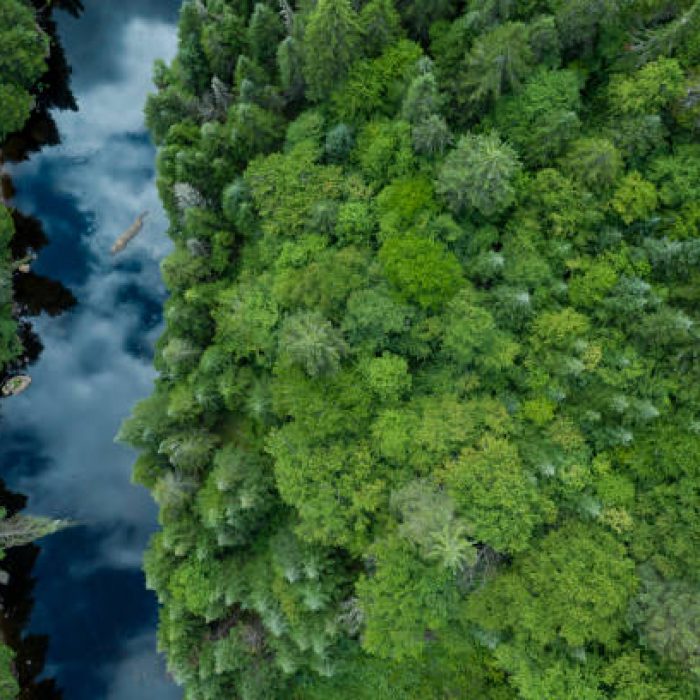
[
  {"x": 649, "y": 90},
  {"x": 551, "y": 597},
  {"x": 635, "y": 198},
  {"x": 423, "y": 270},
  {"x": 494, "y": 493},
  {"x": 404, "y": 601}
]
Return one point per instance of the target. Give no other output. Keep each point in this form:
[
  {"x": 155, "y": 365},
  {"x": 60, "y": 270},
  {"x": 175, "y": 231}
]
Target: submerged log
[{"x": 129, "y": 234}]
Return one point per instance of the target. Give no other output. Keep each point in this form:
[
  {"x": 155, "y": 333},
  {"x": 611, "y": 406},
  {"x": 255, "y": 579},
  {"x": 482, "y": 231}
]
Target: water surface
[{"x": 57, "y": 438}]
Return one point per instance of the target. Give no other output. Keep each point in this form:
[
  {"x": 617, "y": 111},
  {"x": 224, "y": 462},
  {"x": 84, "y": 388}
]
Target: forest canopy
[{"x": 428, "y": 409}]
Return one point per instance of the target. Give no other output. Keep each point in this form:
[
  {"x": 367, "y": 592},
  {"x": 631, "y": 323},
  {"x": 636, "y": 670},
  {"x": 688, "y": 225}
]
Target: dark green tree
[
  {"x": 381, "y": 26},
  {"x": 497, "y": 63},
  {"x": 543, "y": 119},
  {"x": 333, "y": 43},
  {"x": 265, "y": 31}
]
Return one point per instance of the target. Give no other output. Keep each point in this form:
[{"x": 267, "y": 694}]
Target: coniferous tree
[
  {"x": 333, "y": 41},
  {"x": 479, "y": 174}
]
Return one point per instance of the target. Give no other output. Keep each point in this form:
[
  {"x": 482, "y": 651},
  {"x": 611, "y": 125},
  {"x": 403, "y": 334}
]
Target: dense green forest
[
  {"x": 24, "y": 48},
  {"x": 428, "y": 413}
]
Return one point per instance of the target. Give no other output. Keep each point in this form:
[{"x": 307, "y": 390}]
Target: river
[{"x": 57, "y": 438}]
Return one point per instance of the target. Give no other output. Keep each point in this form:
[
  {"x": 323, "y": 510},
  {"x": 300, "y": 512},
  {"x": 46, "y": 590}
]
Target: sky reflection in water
[{"x": 57, "y": 437}]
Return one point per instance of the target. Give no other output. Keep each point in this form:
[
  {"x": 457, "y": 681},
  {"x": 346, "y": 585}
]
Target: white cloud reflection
[
  {"x": 87, "y": 380},
  {"x": 133, "y": 676}
]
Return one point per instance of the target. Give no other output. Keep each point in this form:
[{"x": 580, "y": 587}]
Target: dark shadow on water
[
  {"x": 23, "y": 453},
  {"x": 39, "y": 294},
  {"x": 66, "y": 256}
]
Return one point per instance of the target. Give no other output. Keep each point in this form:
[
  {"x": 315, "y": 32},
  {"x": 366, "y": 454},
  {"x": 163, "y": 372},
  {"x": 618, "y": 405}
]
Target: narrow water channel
[{"x": 57, "y": 438}]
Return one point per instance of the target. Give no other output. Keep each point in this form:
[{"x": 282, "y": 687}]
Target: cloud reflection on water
[{"x": 96, "y": 364}]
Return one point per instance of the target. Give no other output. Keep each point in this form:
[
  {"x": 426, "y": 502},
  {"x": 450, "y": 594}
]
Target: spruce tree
[{"x": 332, "y": 41}]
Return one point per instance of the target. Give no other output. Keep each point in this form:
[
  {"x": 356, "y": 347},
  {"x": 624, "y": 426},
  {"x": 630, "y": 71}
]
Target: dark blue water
[{"x": 57, "y": 438}]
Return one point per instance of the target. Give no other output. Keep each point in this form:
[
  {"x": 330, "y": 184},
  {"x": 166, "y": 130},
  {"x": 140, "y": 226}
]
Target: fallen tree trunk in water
[
  {"x": 18, "y": 530},
  {"x": 129, "y": 234}
]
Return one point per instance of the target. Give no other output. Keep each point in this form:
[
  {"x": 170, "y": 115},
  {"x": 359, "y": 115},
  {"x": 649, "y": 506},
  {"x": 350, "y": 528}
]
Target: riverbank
[
  {"x": 58, "y": 438},
  {"x": 30, "y": 57}
]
